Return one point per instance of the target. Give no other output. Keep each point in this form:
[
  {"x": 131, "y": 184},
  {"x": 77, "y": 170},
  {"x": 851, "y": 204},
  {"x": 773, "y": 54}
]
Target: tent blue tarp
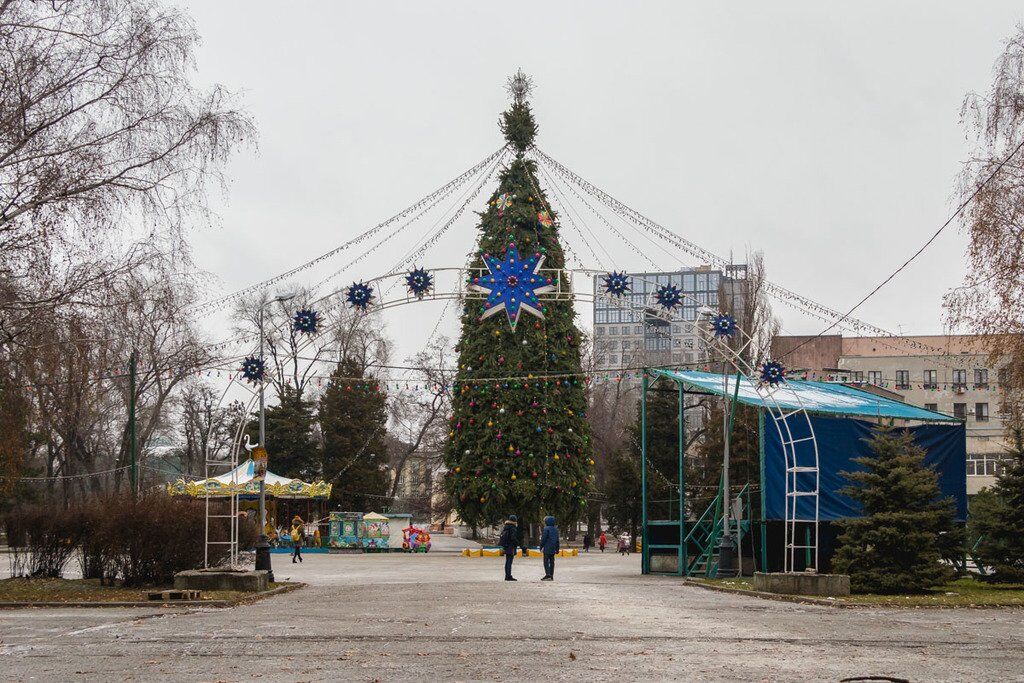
[
  {"x": 839, "y": 441},
  {"x": 818, "y": 397},
  {"x": 840, "y": 437}
]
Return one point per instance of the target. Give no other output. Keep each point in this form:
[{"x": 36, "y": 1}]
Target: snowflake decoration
[
  {"x": 668, "y": 296},
  {"x": 359, "y": 295},
  {"x": 545, "y": 219},
  {"x": 772, "y": 373},
  {"x": 723, "y": 325},
  {"x": 306, "y": 321},
  {"x": 512, "y": 284},
  {"x": 616, "y": 284},
  {"x": 503, "y": 202},
  {"x": 253, "y": 369},
  {"x": 419, "y": 282}
]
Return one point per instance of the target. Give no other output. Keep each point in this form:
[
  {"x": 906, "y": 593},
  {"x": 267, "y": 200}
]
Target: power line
[{"x": 917, "y": 253}]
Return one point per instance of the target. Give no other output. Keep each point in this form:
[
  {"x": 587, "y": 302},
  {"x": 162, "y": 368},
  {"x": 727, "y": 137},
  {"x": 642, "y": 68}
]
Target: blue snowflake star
[
  {"x": 512, "y": 284},
  {"x": 253, "y": 369},
  {"x": 723, "y": 325},
  {"x": 616, "y": 284},
  {"x": 419, "y": 282},
  {"x": 668, "y": 296},
  {"x": 306, "y": 321},
  {"x": 359, "y": 295},
  {"x": 772, "y": 373}
]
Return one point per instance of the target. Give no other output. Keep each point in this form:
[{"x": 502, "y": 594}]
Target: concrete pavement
[{"x": 432, "y": 617}]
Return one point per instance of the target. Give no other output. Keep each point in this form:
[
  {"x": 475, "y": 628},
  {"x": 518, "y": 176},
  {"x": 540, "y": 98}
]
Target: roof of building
[{"x": 815, "y": 397}]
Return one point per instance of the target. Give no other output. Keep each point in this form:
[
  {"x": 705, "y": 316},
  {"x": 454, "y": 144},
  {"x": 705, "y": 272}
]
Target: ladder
[
  {"x": 800, "y": 450},
  {"x": 213, "y": 549}
]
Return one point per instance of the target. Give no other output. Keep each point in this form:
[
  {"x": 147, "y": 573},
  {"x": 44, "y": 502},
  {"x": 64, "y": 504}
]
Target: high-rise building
[
  {"x": 950, "y": 374},
  {"x": 631, "y": 331}
]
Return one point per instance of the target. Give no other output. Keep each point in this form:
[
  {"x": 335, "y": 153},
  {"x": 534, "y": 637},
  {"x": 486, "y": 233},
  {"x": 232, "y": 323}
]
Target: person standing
[
  {"x": 602, "y": 541},
  {"x": 298, "y": 536},
  {"x": 549, "y": 547},
  {"x": 509, "y": 541},
  {"x": 586, "y": 542}
]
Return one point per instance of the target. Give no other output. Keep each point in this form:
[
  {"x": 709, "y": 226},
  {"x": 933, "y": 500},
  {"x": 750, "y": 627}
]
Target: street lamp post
[{"x": 263, "y": 543}]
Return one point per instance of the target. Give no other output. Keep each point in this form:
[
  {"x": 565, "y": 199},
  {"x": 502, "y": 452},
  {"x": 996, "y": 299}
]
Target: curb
[
  {"x": 235, "y": 602},
  {"x": 778, "y": 597}
]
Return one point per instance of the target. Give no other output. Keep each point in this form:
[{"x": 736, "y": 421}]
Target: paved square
[{"x": 442, "y": 616}]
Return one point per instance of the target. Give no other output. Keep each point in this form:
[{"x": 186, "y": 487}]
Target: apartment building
[
  {"x": 628, "y": 333},
  {"x": 947, "y": 373}
]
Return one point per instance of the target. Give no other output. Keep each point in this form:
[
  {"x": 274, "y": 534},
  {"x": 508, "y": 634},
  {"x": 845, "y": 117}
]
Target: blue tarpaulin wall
[{"x": 841, "y": 439}]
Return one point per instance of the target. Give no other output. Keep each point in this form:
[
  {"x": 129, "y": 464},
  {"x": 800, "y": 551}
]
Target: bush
[
  {"x": 41, "y": 539},
  {"x": 144, "y": 540}
]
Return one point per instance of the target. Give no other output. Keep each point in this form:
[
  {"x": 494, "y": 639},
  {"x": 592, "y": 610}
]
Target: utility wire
[{"x": 963, "y": 205}]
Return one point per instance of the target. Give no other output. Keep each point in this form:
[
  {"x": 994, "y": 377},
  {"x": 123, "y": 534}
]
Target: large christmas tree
[{"x": 519, "y": 441}]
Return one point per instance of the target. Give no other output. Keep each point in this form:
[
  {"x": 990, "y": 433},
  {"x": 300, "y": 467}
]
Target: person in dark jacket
[
  {"x": 508, "y": 541},
  {"x": 549, "y": 547},
  {"x": 587, "y": 542}
]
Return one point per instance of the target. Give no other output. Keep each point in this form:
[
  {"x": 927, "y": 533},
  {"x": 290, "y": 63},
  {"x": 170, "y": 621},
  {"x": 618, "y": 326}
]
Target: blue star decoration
[
  {"x": 359, "y": 295},
  {"x": 668, "y": 296},
  {"x": 253, "y": 369},
  {"x": 772, "y": 373},
  {"x": 723, "y": 325},
  {"x": 616, "y": 284},
  {"x": 512, "y": 284},
  {"x": 306, "y": 321},
  {"x": 419, "y": 282}
]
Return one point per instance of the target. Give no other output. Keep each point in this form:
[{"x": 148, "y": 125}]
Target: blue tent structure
[{"x": 841, "y": 417}]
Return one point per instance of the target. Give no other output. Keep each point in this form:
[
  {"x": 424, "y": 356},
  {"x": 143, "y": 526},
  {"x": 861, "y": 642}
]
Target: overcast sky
[{"x": 827, "y": 138}]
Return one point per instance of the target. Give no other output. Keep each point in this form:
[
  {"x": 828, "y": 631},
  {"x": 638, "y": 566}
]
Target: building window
[
  {"x": 637, "y": 329},
  {"x": 980, "y": 378},
  {"x": 903, "y": 379},
  {"x": 676, "y": 329},
  {"x": 934, "y": 407},
  {"x": 600, "y": 361},
  {"x": 857, "y": 376},
  {"x": 931, "y": 379},
  {"x": 959, "y": 379},
  {"x": 612, "y": 331},
  {"x": 612, "y": 360},
  {"x": 984, "y": 465},
  {"x": 599, "y": 331},
  {"x": 981, "y": 412},
  {"x": 960, "y": 410},
  {"x": 875, "y": 377}
]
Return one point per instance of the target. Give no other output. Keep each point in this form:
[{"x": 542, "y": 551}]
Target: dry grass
[
  {"x": 86, "y": 590},
  {"x": 965, "y": 592}
]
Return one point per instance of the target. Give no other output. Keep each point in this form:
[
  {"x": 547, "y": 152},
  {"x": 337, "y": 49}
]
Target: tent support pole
[
  {"x": 764, "y": 521},
  {"x": 644, "y": 548},
  {"x": 682, "y": 479}
]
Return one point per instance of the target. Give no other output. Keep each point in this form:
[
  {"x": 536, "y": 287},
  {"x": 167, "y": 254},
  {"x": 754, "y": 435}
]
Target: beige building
[{"x": 947, "y": 373}]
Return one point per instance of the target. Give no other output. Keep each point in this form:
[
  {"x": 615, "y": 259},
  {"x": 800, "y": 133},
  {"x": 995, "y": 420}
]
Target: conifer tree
[
  {"x": 291, "y": 445},
  {"x": 1001, "y": 525},
  {"x": 894, "y": 547},
  {"x": 353, "y": 419},
  {"x": 519, "y": 441}
]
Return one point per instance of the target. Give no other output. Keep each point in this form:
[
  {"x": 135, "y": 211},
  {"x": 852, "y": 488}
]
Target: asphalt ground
[{"x": 443, "y": 616}]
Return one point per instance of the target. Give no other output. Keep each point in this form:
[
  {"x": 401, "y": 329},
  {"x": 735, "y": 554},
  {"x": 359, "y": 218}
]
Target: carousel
[{"x": 286, "y": 499}]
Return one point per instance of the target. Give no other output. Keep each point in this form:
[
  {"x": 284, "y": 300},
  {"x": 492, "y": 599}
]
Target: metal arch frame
[
  {"x": 797, "y": 451},
  {"x": 796, "y": 462}
]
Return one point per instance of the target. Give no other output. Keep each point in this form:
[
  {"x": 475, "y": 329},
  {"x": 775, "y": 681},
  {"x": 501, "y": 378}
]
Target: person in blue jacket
[{"x": 549, "y": 547}]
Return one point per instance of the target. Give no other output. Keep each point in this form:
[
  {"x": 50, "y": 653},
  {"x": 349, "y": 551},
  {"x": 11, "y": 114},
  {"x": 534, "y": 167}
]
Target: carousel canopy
[{"x": 242, "y": 481}]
